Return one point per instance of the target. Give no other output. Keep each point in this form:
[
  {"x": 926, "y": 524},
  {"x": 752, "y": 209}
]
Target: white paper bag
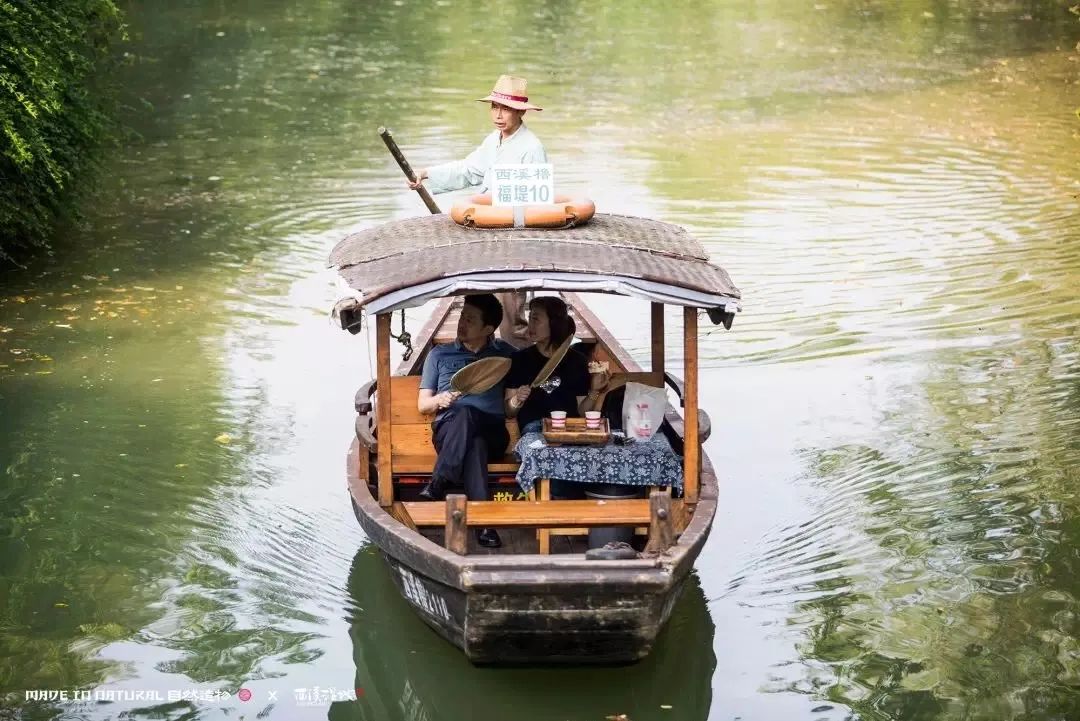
[{"x": 643, "y": 410}]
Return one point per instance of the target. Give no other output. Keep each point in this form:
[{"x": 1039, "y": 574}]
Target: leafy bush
[{"x": 54, "y": 109}]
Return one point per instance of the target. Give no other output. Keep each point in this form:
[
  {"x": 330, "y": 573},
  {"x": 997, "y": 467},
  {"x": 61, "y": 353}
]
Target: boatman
[
  {"x": 510, "y": 143},
  {"x": 469, "y": 431}
]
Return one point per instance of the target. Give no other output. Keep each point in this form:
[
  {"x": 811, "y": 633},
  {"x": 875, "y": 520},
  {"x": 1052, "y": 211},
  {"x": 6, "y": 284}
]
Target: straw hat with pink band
[{"x": 511, "y": 92}]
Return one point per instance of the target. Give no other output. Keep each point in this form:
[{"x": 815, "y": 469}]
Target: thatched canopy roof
[{"x": 405, "y": 262}]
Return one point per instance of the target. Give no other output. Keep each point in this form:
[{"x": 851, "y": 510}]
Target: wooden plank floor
[{"x": 515, "y": 541}]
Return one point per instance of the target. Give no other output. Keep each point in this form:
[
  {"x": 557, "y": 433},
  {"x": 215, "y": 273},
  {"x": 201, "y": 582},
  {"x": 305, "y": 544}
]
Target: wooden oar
[{"x": 392, "y": 146}]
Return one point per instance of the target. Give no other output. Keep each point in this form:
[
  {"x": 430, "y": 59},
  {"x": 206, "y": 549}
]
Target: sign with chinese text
[{"x": 524, "y": 184}]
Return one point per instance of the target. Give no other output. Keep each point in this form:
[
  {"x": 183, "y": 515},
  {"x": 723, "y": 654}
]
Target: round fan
[{"x": 480, "y": 375}]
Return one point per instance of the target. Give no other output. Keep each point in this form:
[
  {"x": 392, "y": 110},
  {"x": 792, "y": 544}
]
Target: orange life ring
[{"x": 565, "y": 212}]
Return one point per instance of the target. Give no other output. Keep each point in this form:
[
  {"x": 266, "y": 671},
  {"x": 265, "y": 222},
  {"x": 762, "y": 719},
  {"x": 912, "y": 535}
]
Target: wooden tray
[{"x": 576, "y": 434}]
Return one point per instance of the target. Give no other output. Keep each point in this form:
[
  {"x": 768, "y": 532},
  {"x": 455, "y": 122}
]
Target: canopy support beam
[
  {"x": 691, "y": 438},
  {"x": 658, "y": 338},
  {"x": 382, "y": 406}
]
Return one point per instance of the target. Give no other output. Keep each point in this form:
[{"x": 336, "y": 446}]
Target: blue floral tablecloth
[{"x": 652, "y": 463}]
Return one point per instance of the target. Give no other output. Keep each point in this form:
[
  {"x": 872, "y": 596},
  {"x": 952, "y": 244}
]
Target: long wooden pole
[
  {"x": 382, "y": 375},
  {"x": 658, "y": 338},
  {"x": 692, "y": 445},
  {"x": 382, "y": 341},
  {"x": 392, "y": 146}
]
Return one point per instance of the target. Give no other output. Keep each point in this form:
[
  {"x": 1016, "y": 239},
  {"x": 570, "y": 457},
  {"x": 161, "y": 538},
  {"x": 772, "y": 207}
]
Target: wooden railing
[{"x": 659, "y": 512}]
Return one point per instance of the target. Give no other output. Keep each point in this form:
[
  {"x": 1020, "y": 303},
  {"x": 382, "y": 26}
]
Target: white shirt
[{"x": 521, "y": 147}]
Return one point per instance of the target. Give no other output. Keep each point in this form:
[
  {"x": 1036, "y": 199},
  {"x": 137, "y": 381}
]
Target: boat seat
[
  {"x": 549, "y": 514},
  {"x": 413, "y": 453},
  {"x": 421, "y": 464}
]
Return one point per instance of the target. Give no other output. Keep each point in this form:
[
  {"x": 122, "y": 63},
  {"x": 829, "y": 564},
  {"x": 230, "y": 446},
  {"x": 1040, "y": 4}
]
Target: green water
[{"x": 894, "y": 187}]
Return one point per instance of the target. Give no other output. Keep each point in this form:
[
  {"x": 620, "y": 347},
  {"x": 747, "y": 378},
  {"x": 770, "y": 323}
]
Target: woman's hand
[
  {"x": 420, "y": 175},
  {"x": 599, "y": 381},
  {"x": 521, "y": 394},
  {"x": 445, "y": 399}
]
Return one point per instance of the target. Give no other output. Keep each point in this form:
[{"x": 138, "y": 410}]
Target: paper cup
[
  {"x": 592, "y": 419},
  {"x": 558, "y": 419}
]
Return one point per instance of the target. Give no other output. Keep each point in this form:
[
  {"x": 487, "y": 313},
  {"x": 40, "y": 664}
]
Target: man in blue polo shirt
[{"x": 468, "y": 430}]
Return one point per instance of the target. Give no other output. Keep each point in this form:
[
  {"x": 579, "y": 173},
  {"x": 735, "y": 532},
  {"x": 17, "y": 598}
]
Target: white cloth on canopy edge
[{"x": 718, "y": 306}]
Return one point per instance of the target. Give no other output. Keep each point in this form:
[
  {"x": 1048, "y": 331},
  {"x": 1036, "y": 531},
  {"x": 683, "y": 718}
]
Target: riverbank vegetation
[{"x": 55, "y": 111}]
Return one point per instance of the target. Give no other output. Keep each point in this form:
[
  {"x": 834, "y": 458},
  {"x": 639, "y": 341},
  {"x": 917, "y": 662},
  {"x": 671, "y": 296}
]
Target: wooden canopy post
[
  {"x": 692, "y": 451},
  {"x": 457, "y": 524},
  {"x": 661, "y": 527},
  {"x": 382, "y": 344},
  {"x": 658, "y": 338}
]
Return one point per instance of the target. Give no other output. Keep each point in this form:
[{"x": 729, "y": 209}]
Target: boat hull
[
  {"x": 596, "y": 618},
  {"x": 405, "y": 672}
]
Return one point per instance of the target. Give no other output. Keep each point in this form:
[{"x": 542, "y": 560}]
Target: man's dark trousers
[{"x": 466, "y": 440}]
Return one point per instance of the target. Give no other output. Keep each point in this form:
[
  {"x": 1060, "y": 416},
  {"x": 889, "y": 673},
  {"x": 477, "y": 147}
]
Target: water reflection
[
  {"x": 408, "y": 672},
  {"x": 940, "y": 559}
]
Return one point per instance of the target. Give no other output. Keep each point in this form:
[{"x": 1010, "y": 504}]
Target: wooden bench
[
  {"x": 538, "y": 514},
  {"x": 658, "y": 512},
  {"x": 413, "y": 453}
]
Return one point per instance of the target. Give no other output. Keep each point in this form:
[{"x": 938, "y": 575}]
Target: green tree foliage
[{"x": 54, "y": 109}]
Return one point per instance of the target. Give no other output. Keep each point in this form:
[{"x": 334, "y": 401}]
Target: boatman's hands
[
  {"x": 420, "y": 176},
  {"x": 445, "y": 399}
]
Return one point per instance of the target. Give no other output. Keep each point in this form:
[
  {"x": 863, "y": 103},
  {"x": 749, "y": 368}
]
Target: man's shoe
[
  {"x": 435, "y": 490},
  {"x": 488, "y": 538},
  {"x": 614, "y": 551}
]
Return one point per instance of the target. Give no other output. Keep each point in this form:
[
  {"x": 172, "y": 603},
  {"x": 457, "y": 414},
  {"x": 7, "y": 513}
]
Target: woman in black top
[{"x": 549, "y": 325}]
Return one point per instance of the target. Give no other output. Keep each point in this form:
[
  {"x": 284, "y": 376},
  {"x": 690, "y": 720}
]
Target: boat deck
[{"x": 515, "y": 541}]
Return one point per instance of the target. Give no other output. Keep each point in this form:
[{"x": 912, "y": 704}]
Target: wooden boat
[{"x": 538, "y": 599}]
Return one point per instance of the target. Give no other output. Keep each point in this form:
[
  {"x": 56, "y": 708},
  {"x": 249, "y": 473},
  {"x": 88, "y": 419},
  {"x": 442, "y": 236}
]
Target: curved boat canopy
[{"x": 405, "y": 263}]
